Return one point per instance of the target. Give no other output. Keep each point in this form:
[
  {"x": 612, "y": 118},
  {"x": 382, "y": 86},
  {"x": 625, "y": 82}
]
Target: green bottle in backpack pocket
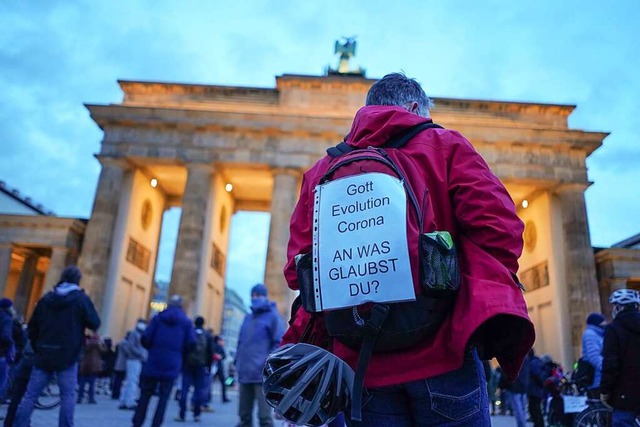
[{"x": 439, "y": 270}]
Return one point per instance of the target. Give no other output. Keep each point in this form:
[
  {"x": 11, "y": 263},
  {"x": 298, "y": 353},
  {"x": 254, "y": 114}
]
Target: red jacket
[{"x": 470, "y": 202}]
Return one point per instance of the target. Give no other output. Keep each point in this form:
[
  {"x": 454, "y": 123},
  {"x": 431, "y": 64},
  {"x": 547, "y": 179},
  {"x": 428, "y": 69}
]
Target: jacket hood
[
  {"x": 596, "y": 329},
  {"x": 630, "y": 321},
  {"x": 63, "y": 295},
  {"x": 172, "y": 315},
  {"x": 260, "y": 305},
  {"x": 376, "y": 124}
]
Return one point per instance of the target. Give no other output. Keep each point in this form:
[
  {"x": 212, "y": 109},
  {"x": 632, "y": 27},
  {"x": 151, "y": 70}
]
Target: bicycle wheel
[
  {"x": 593, "y": 417},
  {"x": 50, "y": 397}
]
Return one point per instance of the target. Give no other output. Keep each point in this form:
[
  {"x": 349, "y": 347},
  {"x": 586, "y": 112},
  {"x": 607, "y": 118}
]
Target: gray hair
[{"x": 399, "y": 90}]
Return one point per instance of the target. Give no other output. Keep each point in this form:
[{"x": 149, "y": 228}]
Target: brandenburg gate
[{"x": 215, "y": 150}]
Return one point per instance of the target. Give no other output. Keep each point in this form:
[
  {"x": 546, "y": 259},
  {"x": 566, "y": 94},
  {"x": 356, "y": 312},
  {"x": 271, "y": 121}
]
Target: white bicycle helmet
[
  {"x": 306, "y": 384},
  {"x": 624, "y": 297}
]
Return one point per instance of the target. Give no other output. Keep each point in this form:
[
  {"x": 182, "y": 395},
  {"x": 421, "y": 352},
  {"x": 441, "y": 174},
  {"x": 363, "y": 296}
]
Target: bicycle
[
  {"x": 561, "y": 388},
  {"x": 49, "y": 398},
  {"x": 596, "y": 415}
]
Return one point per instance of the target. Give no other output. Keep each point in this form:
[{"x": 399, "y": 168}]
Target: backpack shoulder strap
[
  {"x": 397, "y": 142},
  {"x": 401, "y": 140},
  {"x": 340, "y": 149},
  {"x": 372, "y": 328}
]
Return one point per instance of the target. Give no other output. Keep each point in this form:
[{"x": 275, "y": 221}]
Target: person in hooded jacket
[
  {"x": 592, "y": 341},
  {"x": 460, "y": 195},
  {"x": 135, "y": 355},
  {"x": 56, "y": 332},
  {"x": 169, "y": 336},
  {"x": 260, "y": 334},
  {"x": 620, "y": 382}
]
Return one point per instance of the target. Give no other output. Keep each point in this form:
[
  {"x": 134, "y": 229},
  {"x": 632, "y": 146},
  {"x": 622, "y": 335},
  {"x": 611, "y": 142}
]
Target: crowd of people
[
  {"x": 608, "y": 372},
  {"x": 61, "y": 343}
]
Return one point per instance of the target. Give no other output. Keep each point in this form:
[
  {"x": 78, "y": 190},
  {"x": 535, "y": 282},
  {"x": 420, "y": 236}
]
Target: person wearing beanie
[
  {"x": 259, "y": 290},
  {"x": 195, "y": 372},
  {"x": 260, "y": 334},
  {"x": 56, "y": 333},
  {"x": 7, "y": 346},
  {"x": 592, "y": 340}
]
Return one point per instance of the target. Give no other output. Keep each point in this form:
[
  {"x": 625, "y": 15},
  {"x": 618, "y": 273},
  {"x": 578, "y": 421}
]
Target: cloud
[{"x": 56, "y": 56}]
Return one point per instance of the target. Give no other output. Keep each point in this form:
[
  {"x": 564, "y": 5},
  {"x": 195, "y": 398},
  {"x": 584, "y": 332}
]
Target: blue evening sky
[{"x": 55, "y": 56}]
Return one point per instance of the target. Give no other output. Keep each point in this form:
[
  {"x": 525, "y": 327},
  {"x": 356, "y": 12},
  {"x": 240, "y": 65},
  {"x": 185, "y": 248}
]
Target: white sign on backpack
[{"x": 360, "y": 246}]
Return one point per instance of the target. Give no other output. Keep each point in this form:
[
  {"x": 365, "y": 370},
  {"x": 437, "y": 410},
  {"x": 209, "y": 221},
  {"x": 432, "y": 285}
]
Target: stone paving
[{"x": 106, "y": 413}]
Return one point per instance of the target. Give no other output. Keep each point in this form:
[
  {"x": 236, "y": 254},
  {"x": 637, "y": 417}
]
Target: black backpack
[
  {"x": 386, "y": 327},
  {"x": 584, "y": 373},
  {"x": 197, "y": 357}
]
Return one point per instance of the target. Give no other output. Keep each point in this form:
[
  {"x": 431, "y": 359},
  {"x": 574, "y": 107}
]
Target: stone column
[
  {"x": 191, "y": 233},
  {"x": 57, "y": 263},
  {"x": 283, "y": 200},
  {"x": 580, "y": 272},
  {"x": 25, "y": 283},
  {"x": 98, "y": 237},
  {"x": 5, "y": 265}
]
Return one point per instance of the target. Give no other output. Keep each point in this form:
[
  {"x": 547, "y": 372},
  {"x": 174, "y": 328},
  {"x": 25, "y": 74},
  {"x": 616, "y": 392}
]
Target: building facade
[
  {"x": 35, "y": 246},
  {"x": 215, "y": 150}
]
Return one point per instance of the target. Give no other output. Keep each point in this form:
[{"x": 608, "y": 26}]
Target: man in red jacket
[{"x": 440, "y": 380}]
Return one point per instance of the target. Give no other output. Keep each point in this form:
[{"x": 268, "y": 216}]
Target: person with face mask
[
  {"x": 260, "y": 334},
  {"x": 135, "y": 355}
]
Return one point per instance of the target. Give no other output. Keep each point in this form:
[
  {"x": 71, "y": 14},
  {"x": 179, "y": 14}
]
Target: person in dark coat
[
  {"x": 7, "y": 347},
  {"x": 219, "y": 355},
  {"x": 535, "y": 391},
  {"x": 195, "y": 371},
  {"x": 56, "y": 332},
  {"x": 20, "y": 374},
  {"x": 119, "y": 368},
  {"x": 169, "y": 336},
  {"x": 260, "y": 334},
  {"x": 108, "y": 362},
  {"x": 620, "y": 382},
  {"x": 90, "y": 367}
]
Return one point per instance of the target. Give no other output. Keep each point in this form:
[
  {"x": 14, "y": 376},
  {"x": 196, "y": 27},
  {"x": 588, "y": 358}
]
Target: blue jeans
[
  {"x": 4, "y": 375},
  {"x": 517, "y": 401},
  {"x": 623, "y": 419},
  {"x": 67, "y": 380},
  {"x": 192, "y": 377},
  {"x": 457, "y": 398}
]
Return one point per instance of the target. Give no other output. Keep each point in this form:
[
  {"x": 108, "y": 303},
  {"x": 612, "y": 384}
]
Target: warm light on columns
[
  {"x": 228, "y": 187},
  {"x": 154, "y": 182},
  {"x": 525, "y": 203}
]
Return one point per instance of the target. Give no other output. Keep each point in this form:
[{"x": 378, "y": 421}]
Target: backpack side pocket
[
  {"x": 304, "y": 270},
  {"x": 439, "y": 270}
]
